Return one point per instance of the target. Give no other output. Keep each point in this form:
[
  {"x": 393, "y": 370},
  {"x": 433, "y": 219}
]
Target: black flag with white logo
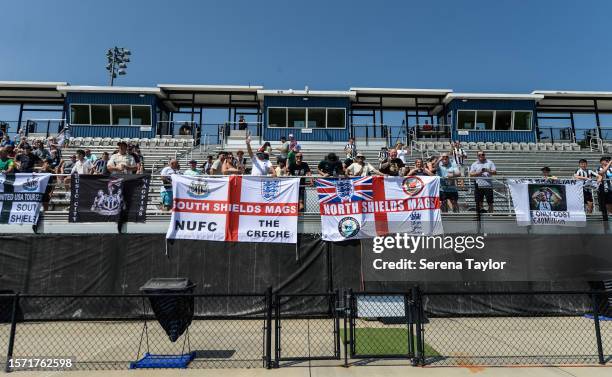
[{"x": 115, "y": 198}]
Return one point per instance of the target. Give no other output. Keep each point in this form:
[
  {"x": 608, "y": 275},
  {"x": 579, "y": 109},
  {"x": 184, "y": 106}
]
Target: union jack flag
[{"x": 333, "y": 190}]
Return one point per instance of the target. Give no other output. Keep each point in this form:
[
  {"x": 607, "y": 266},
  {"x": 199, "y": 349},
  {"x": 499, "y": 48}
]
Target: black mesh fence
[
  {"x": 307, "y": 327},
  {"x": 548, "y": 332}
]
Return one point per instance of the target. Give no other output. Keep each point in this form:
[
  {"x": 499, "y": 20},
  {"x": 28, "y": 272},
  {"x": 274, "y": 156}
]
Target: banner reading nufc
[
  {"x": 372, "y": 206},
  {"x": 20, "y": 197},
  {"x": 116, "y": 198},
  {"x": 545, "y": 202},
  {"x": 235, "y": 208}
]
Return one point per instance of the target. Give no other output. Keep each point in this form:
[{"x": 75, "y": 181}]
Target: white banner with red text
[
  {"x": 234, "y": 208},
  {"x": 373, "y": 206}
]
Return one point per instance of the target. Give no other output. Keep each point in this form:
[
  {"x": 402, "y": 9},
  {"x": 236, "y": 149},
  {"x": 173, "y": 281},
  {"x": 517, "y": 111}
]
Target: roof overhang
[
  {"x": 576, "y": 101},
  {"x": 110, "y": 89},
  {"x": 492, "y": 96},
  {"x": 30, "y": 92},
  {"x": 304, "y": 93},
  {"x": 178, "y": 95},
  {"x": 401, "y": 91}
]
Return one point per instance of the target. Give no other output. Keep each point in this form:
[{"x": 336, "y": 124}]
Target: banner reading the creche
[
  {"x": 548, "y": 202},
  {"x": 21, "y": 195},
  {"x": 115, "y": 198},
  {"x": 235, "y": 208},
  {"x": 367, "y": 207}
]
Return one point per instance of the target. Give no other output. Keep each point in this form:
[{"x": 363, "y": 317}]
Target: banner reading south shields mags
[
  {"x": 374, "y": 206},
  {"x": 235, "y": 208},
  {"x": 542, "y": 202},
  {"x": 20, "y": 197}
]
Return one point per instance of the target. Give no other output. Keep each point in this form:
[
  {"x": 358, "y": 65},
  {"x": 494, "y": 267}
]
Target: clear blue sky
[{"x": 497, "y": 46}]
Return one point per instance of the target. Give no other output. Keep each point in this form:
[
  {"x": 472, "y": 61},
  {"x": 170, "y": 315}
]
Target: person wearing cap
[
  {"x": 122, "y": 162},
  {"x": 193, "y": 169},
  {"x": 261, "y": 162},
  {"x": 446, "y": 170},
  {"x": 361, "y": 168},
  {"x": 546, "y": 174},
  {"x": 482, "y": 170},
  {"x": 27, "y": 160}
]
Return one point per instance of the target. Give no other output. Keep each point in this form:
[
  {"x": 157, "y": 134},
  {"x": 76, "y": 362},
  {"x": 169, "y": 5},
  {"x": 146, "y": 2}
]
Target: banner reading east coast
[
  {"x": 545, "y": 202},
  {"x": 373, "y": 206},
  {"x": 21, "y": 195},
  {"x": 235, "y": 208}
]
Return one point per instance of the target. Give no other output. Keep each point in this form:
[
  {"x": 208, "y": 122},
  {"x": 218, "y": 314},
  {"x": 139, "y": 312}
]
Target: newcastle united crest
[
  {"x": 31, "y": 184},
  {"x": 110, "y": 203},
  {"x": 198, "y": 189},
  {"x": 270, "y": 189}
]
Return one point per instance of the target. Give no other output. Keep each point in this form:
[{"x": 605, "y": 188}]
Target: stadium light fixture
[{"x": 117, "y": 59}]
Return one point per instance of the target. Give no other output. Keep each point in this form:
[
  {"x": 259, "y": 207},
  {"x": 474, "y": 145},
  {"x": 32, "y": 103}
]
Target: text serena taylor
[
  {"x": 244, "y": 208},
  {"x": 374, "y": 206}
]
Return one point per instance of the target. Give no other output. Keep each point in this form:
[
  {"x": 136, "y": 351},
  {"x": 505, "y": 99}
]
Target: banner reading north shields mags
[
  {"x": 235, "y": 208},
  {"x": 115, "y": 198},
  {"x": 544, "y": 202},
  {"x": 372, "y": 206},
  {"x": 21, "y": 195}
]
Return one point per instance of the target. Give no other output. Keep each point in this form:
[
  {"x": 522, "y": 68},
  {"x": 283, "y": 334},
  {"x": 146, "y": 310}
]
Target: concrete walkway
[{"x": 363, "y": 371}]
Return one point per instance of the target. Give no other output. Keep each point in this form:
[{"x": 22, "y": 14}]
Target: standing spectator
[
  {"x": 283, "y": 149},
  {"x": 447, "y": 170},
  {"x": 122, "y": 162},
  {"x": 27, "y": 160},
  {"x": 166, "y": 177},
  {"x": 432, "y": 164},
  {"x": 402, "y": 153},
  {"x": 193, "y": 169},
  {"x": 41, "y": 152},
  {"x": 419, "y": 169},
  {"x": 292, "y": 152},
  {"x": 605, "y": 183},
  {"x": 330, "y": 166},
  {"x": 65, "y": 168},
  {"x": 242, "y": 124},
  {"x": 293, "y": 144},
  {"x": 90, "y": 156},
  {"x": 241, "y": 161},
  {"x": 100, "y": 167},
  {"x": 589, "y": 179},
  {"x": 350, "y": 149},
  {"x": 207, "y": 165},
  {"x": 7, "y": 165},
  {"x": 546, "y": 174},
  {"x": 134, "y": 151},
  {"x": 266, "y": 148},
  {"x": 217, "y": 166},
  {"x": 300, "y": 169},
  {"x": 458, "y": 154},
  {"x": 82, "y": 165},
  {"x": 47, "y": 168},
  {"x": 392, "y": 165},
  {"x": 361, "y": 168},
  {"x": 230, "y": 166},
  {"x": 483, "y": 169},
  {"x": 260, "y": 161}
]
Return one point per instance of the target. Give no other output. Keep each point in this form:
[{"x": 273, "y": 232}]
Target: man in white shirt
[
  {"x": 82, "y": 165},
  {"x": 360, "y": 168},
  {"x": 261, "y": 165},
  {"x": 122, "y": 162},
  {"x": 483, "y": 169},
  {"x": 166, "y": 176}
]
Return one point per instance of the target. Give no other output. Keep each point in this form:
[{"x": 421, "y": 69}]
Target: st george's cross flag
[
  {"x": 235, "y": 208},
  {"x": 366, "y": 207},
  {"x": 21, "y": 196}
]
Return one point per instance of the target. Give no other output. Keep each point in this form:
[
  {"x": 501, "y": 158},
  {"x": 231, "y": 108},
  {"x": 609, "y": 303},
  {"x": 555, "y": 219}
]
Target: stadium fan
[
  {"x": 483, "y": 169},
  {"x": 419, "y": 169},
  {"x": 7, "y": 165},
  {"x": 217, "y": 166},
  {"x": 26, "y": 160},
  {"x": 281, "y": 169},
  {"x": 283, "y": 149},
  {"x": 330, "y": 166},
  {"x": 207, "y": 165},
  {"x": 166, "y": 177},
  {"x": 6, "y": 141},
  {"x": 392, "y": 165},
  {"x": 100, "y": 167},
  {"x": 350, "y": 149},
  {"x": 56, "y": 157},
  {"x": 134, "y": 151},
  {"x": 588, "y": 178},
  {"x": 82, "y": 165},
  {"x": 432, "y": 164},
  {"x": 605, "y": 183},
  {"x": 300, "y": 168},
  {"x": 260, "y": 161},
  {"x": 193, "y": 169},
  {"x": 90, "y": 156},
  {"x": 446, "y": 170},
  {"x": 47, "y": 168},
  {"x": 41, "y": 152},
  {"x": 266, "y": 147},
  {"x": 242, "y": 124},
  {"x": 383, "y": 154},
  {"x": 361, "y": 168},
  {"x": 402, "y": 153},
  {"x": 230, "y": 166},
  {"x": 546, "y": 174},
  {"x": 122, "y": 162}
]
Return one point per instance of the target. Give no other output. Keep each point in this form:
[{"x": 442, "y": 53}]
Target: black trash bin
[{"x": 173, "y": 312}]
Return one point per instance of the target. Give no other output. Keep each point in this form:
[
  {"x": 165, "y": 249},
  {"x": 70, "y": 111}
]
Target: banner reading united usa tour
[
  {"x": 21, "y": 195},
  {"x": 235, "y": 208},
  {"x": 546, "y": 202},
  {"x": 373, "y": 206}
]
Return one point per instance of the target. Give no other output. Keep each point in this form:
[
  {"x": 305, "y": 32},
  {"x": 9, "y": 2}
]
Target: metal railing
[{"x": 453, "y": 328}]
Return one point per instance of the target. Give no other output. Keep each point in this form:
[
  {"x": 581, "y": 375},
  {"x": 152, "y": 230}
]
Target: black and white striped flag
[{"x": 21, "y": 195}]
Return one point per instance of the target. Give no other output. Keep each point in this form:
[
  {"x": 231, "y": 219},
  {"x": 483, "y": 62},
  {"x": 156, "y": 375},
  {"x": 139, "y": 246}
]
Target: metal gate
[
  {"x": 307, "y": 327},
  {"x": 381, "y": 325}
]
